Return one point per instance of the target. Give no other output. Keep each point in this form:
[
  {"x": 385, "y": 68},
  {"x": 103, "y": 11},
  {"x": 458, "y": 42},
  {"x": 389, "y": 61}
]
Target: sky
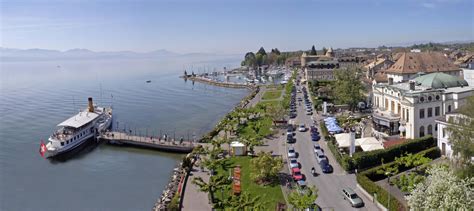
[{"x": 230, "y": 26}]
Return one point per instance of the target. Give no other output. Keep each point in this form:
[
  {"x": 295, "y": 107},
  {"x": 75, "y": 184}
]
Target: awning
[
  {"x": 344, "y": 140},
  {"x": 369, "y": 144}
]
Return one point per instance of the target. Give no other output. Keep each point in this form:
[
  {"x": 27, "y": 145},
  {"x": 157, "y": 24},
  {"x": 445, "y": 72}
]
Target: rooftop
[
  {"x": 440, "y": 80},
  {"x": 427, "y": 62},
  {"x": 79, "y": 120}
]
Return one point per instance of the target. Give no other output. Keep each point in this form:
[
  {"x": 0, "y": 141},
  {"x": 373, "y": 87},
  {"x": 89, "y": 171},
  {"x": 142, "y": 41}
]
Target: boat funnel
[{"x": 91, "y": 105}]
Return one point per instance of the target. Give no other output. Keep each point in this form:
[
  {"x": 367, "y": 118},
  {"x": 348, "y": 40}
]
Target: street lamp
[{"x": 389, "y": 193}]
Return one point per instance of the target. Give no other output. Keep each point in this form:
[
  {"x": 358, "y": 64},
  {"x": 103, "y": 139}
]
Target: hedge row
[
  {"x": 375, "y": 175},
  {"x": 382, "y": 194},
  {"x": 343, "y": 160},
  {"x": 364, "y": 160}
]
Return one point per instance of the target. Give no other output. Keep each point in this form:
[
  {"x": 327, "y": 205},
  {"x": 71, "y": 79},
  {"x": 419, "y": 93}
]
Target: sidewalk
[{"x": 193, "y": 199}]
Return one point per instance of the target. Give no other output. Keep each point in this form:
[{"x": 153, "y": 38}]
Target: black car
[
  {"x": 292, "y": 115},
  {"x": 325, "y": 166}
]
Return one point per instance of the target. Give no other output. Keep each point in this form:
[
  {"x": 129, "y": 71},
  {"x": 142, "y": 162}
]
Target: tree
[
  {"x": 261, "y": 51},
  {"x": 252, "y": 142},
  {"x": 244, "y": 202},
  {"x": 325, "y": 50},
  {"x": 276, "y": 112},
  {"x": 461, "y": 135},
  {"x": 302, "y": 199},
  {"x": 265, "y": 168},
  {"x": 215, "y": 182},
  {"x": 442, "y": 190},
  {"x": 348, "y": 87},
  {"x": 313, "y": 51}
]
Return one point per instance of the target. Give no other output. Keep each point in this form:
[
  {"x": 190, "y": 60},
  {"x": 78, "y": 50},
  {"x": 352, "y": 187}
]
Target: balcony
[{"x": 385, "y": 115}]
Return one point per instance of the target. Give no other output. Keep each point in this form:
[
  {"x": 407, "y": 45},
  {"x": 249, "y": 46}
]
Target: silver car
[
  {"x": 293, "y": 163},
  {"x": 320, "y": 155},
  {"x": 352, "y": 197},
  {"x": 316, "y": 147},
  {"x": 291, "y": 152}
]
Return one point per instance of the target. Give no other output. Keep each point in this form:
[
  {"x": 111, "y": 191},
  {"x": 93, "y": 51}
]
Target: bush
[
  {"x": 375, "y": 174},
  {"x": 364, "y": 160},
  {"x": 382, "y": 194}
]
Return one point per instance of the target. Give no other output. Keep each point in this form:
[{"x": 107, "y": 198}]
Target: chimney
[
  {"x": 91, "y": 105},
  {"x": 390, "y": 81},
  {"x": 412, "y": 85}
]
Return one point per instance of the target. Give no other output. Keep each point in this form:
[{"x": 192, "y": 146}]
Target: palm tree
[
  {"x": 215, "y": 182},
  {"x": 252, "y": 142},
  {"x": 244, "y": 202}
]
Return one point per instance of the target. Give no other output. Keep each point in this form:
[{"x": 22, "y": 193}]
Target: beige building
[
  {"x": 409, "y": 109},
  {"x": 408, "y": 65},
  {"x": 319, "y": 67}
]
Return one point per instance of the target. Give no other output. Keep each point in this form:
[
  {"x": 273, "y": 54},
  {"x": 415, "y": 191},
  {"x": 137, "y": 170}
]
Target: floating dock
[
  {"x": 170, "y": 145},
  {"x": 218, "y": 83}
]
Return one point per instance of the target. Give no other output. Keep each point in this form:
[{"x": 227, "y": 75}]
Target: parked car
[
  {"x": 309, "y": 113},
  {"x": 313, "y": 128},
  {"x": 290, "y": 139},
  {"x": 316, "y": 147},
  {"x": 291, "y": 152},
  {"x": 320, "y": 155},
  {"x": 296, "y": 174},
  {"x": 302, "y": 128},
  {"x": 290, "y": 131},
  {"x": 315, "y": 137},
  {"x": 293, "y": 163},
  {"x": 352, "y": 197},
  {"x": 292, "y": 115},
  {"x": 325, "y": 166}
]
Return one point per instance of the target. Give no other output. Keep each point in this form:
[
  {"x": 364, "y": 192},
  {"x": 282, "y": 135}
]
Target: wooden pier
[{"x": 170, "y": 145}]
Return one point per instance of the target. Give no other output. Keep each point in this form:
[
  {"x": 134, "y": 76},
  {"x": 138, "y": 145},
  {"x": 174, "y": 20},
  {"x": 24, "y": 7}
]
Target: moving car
[
  {"x": 291, "y": 152},
  {"x": 325, "y": 166},
  {"x": 293, "y": 163},
  {"x": 302, "y": 128},
  {"x": 352, "y": 197},
  {"x": 296, "y": 174}
]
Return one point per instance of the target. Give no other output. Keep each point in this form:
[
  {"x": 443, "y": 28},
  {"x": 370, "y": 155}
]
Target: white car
[
  {"x": 316, "y": 148},
  {"x": 291, "y": 152},
  {"x": 293, "y": 163},
  {"x": 302, "y": 128},
  {"x": 320, "y": 155}
]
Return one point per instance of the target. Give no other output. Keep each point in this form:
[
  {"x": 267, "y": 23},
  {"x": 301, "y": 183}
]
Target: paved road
[{"x": 329, "y": 185}]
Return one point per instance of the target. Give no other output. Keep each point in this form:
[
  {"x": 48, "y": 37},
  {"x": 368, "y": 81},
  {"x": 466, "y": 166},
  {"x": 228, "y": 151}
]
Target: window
[
  {"x": 430, "y": 130},
  {"x": 422, "y": 99},
  {"x": 62, "y": 143},
  {"x": 437, "y": 111},
  {"x": 437, "y": 97},
  {"x": 436, "y": 127},
  {"x": 444, "y": 132},
  {"x": 430, "y": 98},
  {"x": 422, "y": 113},
  {"x": 430, "y": 112},
  {"x": 422, "y": 131},
  {"x": 408, "y": 115},
  {"x": 449, "y": 108}
]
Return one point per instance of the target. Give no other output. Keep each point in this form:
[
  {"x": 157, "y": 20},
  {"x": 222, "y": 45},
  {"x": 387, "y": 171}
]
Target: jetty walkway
[
  {"x": 169, "y": 145},
  {"x": 218, "y": 83}
]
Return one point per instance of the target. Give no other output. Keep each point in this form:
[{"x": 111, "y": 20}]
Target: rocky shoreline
[{"x": 178, "y": 179}]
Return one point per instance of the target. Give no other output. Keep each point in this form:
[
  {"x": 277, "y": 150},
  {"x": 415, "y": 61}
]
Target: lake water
[{"x": 36, "y": 96}]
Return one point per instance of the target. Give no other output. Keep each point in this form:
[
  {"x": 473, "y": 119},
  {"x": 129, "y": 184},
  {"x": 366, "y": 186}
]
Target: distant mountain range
[{"x": 78, "y": 53}]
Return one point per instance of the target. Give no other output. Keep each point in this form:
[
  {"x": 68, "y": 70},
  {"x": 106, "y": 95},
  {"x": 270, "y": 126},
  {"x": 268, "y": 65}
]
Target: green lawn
[
  {"x": 270, "y": 103},
  {"x": 271, "y": 95},
  {"x": 258, "y": 128},
  {"x": 270, "y": 195}
]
